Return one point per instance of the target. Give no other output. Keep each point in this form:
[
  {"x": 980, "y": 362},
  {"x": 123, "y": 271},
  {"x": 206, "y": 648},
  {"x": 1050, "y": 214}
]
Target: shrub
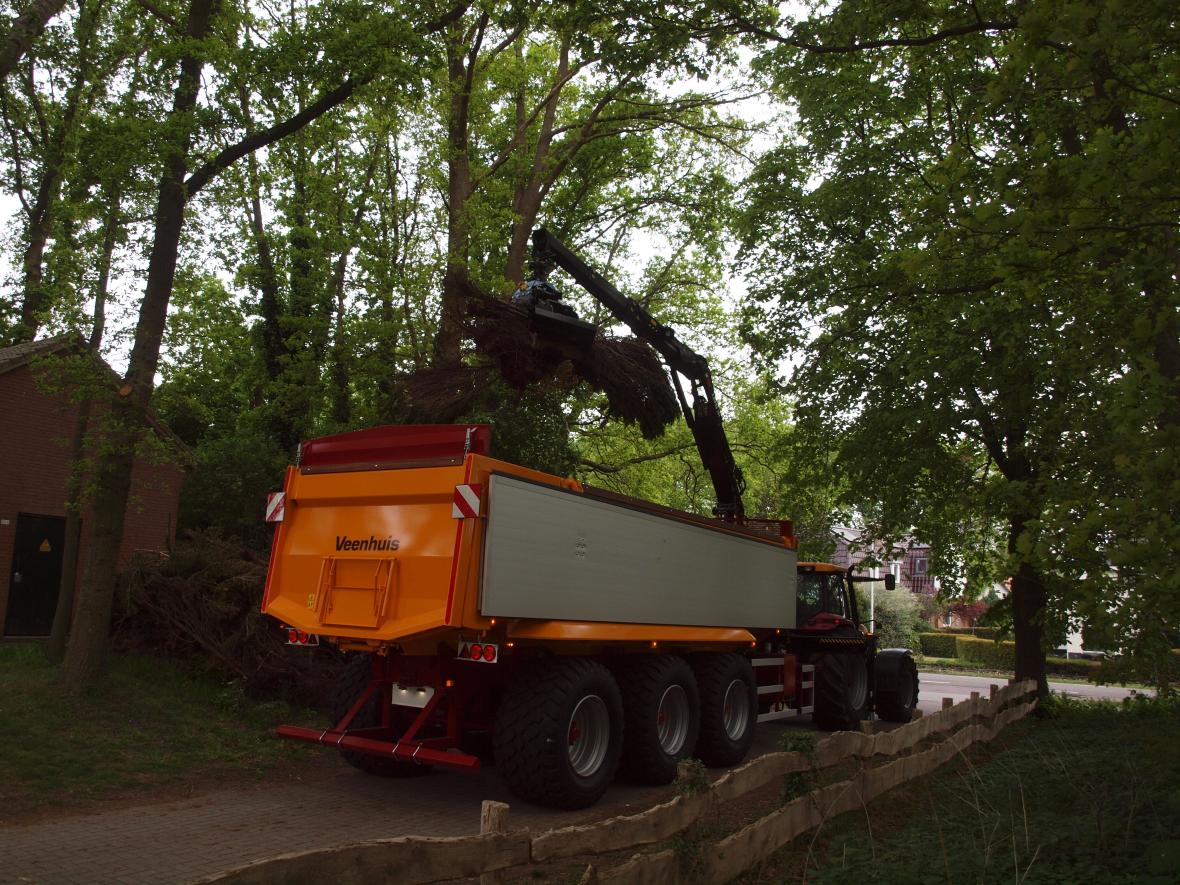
[
  {"x": 897, "y": 618},
  {"x": 938, "y": 645},
  {"x": 998, "y": 655}
]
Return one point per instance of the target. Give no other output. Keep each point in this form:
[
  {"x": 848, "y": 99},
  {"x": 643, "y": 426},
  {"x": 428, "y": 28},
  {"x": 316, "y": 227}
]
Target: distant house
[
  {"x": 909, "y": 563},
  {"x": 37, "y": 424}
]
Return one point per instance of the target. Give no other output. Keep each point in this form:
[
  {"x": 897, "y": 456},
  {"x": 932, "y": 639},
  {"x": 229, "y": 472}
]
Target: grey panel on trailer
[{"x": 555, "y": 555}]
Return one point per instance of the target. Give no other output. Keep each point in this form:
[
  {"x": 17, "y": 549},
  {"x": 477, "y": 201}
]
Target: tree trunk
[
  {"x": 1028, "y": 615},
  {"x": 24, "y": 31},
  {"x": 86, "y": 654},
  {"x": 450, "y": 330},
  {"x": 55, "y": 650},
  {"x": 526, "y": 204},
  {"x": 43, "y": 210}
]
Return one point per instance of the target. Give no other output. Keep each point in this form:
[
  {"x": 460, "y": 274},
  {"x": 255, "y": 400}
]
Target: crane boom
[{"x": 703, "y": 416}]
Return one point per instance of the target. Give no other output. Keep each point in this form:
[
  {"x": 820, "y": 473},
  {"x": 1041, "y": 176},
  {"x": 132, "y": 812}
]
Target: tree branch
[
  {"x": 937, "y": 37},
  {"x": 251, "y": 143},
  {"x": 639, "y": 459},
  {"x": 24, "y": 30}
]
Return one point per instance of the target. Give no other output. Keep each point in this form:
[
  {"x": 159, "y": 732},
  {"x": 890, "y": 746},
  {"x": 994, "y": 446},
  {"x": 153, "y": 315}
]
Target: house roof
[
  {"x": 18, "y": 355},
  {"x": 22, "y": 354}
]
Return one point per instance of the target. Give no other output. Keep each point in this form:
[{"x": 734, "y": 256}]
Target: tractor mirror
[{"x": 890, "y": 581}]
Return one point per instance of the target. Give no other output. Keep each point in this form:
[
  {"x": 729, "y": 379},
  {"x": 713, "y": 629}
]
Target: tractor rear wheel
[
  {"x": 353, "y": 680},
  {"x": 662, "y": 717},
  {"x": 559, "y": 732},
  {"x": 729, "y": 708},
  {"x": 841, "y": 691}
]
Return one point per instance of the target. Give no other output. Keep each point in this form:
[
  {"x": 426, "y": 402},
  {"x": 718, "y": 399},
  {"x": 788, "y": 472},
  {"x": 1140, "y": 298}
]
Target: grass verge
[
  {"x": 150, "y": 729},
  {"x": 1087, "y": 794}
]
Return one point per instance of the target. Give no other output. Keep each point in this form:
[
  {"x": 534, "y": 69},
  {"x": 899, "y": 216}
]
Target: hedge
[
  {"x": 977, "y": 632},
  {"x": 1078, "y": 667},
  {"x": 938, "y": 645},
  {"x": 997, "y": 655}
]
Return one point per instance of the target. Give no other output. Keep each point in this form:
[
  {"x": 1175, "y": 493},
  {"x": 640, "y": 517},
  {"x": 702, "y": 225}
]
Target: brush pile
[
  {"x": 626, "y": 370},
  {"x": 200, "y": 607}
]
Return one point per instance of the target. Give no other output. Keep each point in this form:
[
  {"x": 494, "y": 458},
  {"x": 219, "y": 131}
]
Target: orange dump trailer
[{"x": 570, "y": 633}]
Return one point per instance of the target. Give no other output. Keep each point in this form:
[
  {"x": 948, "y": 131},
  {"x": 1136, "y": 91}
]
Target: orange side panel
[{"x": 572, "y": 631}]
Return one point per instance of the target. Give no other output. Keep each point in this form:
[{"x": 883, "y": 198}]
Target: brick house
[
  {"x": 37, "y": 424},
  {"x": 910, "y": 565}
]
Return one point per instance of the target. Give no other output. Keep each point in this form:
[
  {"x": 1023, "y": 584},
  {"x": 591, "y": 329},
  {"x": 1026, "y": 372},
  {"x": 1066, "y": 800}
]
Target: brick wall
[{"x": 35, "y": 433}]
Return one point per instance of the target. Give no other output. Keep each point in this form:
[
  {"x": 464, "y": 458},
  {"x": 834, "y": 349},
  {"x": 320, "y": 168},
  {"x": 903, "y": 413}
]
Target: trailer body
[{"x": 416, "y": 551}]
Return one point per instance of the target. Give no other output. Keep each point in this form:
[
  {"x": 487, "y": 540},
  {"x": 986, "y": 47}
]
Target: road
[
  {"x": 933, "y": 687},
  {"x": 179, "y": 841}
]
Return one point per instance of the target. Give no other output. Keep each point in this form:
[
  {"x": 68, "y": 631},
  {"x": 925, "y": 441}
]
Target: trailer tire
[
  {"x": 841, "y": 691},
  {"x": 661, "y": 717},
  {"x": 896, "y": 684},
  {"x": 353, "y": 680},
  {"x": 729, "y": 708},
  {"x": 559, "y": 732}
]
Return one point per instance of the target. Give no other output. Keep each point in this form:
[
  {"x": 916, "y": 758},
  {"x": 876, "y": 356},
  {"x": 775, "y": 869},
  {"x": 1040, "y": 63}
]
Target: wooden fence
[{"x": 419, "y": 860}]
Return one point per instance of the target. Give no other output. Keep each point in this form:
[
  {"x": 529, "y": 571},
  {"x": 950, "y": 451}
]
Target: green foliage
[
  {"x": 998, "y": 655},
  {"x": 938, "y": 645},
  {"x": 1084, "y": 796},
  {"x": 1162, "y": 672},
  {"x": 965, "y": 242},
  {"x": 692, "y": 778}
]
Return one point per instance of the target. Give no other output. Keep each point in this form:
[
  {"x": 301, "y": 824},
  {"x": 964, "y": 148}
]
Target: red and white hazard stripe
[
  {"x": 466, "y": 502},
  {"x": 274, "y": 506}
]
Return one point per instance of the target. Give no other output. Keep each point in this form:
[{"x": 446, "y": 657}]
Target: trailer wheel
[
  {"x": 896, "y": 684},
  {"x": 559, "y": 732},
  {"x": 661, "y": 715},
  {"x": 729, "y": 708},
  {"x": 841, "y": 691},
  {"x": 353, "y": 680}
]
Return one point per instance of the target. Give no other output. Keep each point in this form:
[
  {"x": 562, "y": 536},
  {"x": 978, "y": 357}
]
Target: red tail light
[{"x": 481, "y": 652}]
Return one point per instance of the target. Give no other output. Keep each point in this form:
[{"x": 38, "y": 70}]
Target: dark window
[{"x": 811, "y": 596}]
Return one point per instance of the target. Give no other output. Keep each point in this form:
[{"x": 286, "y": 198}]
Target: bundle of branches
[
  {"x": 200, "y": 607},
  {"x": 626, "y": 370}
]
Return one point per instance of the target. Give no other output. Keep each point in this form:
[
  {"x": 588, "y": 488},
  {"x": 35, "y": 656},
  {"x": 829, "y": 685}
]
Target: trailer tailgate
[{"x": 365, "y": 554}]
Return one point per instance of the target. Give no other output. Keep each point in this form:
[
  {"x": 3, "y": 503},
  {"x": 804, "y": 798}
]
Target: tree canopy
[{"x": 939, "y": 289}]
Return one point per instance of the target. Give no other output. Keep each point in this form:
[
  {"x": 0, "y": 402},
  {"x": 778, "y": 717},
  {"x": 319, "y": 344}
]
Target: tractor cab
[
  {"x": 822, "y": 590},
  {"x": 825, "y": 595}
]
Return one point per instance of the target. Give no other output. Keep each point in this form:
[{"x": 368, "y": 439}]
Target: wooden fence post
[
  {"x": 493, "y": 818},
  {"x": 947, "y": 703},
  {"x": 994, "y": 690}
]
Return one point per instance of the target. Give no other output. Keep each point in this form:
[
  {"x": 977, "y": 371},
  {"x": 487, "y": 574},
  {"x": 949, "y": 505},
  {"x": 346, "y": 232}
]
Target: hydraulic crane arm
[{"x": 703, "y": 416}]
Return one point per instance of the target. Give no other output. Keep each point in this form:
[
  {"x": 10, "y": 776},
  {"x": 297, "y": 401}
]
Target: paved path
[{"x": 177, "y": 842}]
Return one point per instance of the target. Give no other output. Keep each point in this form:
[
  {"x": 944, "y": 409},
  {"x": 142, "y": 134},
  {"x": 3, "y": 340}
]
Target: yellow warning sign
[{"x": 45, "y": 548}]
